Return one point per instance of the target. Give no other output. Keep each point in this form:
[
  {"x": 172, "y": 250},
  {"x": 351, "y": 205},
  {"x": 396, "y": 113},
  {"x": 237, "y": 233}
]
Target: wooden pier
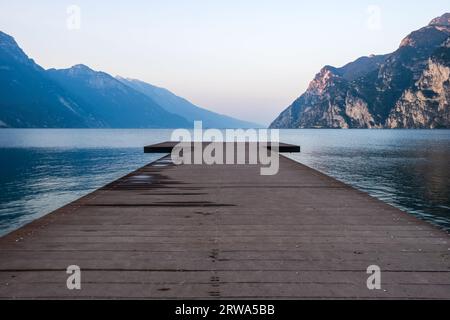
[{"x": 171, "y": 231}]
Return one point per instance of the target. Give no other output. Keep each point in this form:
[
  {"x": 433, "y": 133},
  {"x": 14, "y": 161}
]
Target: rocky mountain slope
[{"x": 409, "y": 88}]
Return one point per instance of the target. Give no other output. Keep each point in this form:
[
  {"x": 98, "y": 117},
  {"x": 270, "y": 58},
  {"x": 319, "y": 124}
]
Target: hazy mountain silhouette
[
  {"x": 28, "y": 98},
  {"x": 115, "y": 104},
  {"x": 175, "y": 104},
  {"x": 79, "y": 97}
]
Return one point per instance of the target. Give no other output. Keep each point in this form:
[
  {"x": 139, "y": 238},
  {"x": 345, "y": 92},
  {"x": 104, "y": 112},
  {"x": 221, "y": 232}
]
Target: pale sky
[{"x": 248, "y": 59}]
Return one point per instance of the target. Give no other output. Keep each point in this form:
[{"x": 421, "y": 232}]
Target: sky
[{"x": 248, "y": 59}]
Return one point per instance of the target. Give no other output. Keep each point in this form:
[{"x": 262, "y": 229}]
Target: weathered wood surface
[{"x": 225, "y": 231}]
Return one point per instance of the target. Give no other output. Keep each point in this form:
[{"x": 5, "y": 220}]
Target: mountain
[
  {"x": 114, "y": 103},
  {"x": 177, "y": 105},
  {"x": 73, "y": 98},
  {"x": 409, "y": 88},
  {"x": 28, "y": 98},
  {"x": 80, "y": 97}
]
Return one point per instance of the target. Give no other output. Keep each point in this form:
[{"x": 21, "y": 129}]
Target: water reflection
[
  {"x": 42, "y": 170},
  {"x": 406, "y": 168},
  {"x": 37, "y": 181}
]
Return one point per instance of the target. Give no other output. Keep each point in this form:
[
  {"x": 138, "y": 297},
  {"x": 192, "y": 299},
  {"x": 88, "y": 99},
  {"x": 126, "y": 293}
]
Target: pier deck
[{"x": 225, "y": 231}]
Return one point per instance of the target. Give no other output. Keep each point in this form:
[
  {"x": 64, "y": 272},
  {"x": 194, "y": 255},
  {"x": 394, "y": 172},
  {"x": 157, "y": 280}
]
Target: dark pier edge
[{"x": 167, "y": 147}]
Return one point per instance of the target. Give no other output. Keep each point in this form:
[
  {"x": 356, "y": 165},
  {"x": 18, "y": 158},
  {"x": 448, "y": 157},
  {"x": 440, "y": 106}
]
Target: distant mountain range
[
  {"x": 79, "y": 97},
  {"x": 180, "y": 106},
  {"x": 409, "y": 88}
]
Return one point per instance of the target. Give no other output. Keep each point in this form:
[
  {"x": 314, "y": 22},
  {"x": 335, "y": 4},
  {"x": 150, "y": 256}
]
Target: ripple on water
[{"x": 45, "y": 169}]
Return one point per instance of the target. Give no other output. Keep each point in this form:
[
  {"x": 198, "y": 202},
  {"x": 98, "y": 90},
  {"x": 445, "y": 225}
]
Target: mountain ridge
[
  {"x": 25, "y": 88},
  {"x": 32, "y": 97},
  {"x": 408, "y": 88},
  {"x": 106, "y": 98},
  {"x": 178, "y": 105},
  {"x": 80, "y": 97}
]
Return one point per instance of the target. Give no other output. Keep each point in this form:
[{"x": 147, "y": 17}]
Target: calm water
[{"x": 43, "y": 169}]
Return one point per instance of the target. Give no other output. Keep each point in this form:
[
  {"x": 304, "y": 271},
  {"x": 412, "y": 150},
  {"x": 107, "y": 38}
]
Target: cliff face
[
  {"x": 426, "y": 104},
  {"x": 408, "y": 88}
]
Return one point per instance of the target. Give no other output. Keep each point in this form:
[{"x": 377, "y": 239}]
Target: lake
[{"x": 43, "y": 169}]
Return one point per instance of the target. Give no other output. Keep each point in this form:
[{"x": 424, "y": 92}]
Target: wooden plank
[{"x": 225, "y": 231}]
